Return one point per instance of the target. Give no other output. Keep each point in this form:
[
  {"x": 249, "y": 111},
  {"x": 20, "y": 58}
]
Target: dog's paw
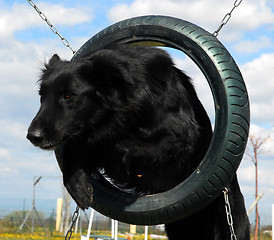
[{"x": 80, "y": 189}]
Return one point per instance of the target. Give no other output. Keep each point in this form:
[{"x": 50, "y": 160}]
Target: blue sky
[{"x": 26, "y": 42}]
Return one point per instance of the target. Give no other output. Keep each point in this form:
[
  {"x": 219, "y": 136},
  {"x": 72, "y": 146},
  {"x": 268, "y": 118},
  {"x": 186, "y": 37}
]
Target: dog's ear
[
  {"x": 109, "y": 75},
  {"x": 55, "y": 59},
  {"x": 109, "y": 70}
]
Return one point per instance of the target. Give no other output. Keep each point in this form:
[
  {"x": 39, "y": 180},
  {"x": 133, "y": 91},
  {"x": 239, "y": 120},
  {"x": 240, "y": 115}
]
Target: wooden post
[
  {"x": 132, "y": 229},
  {"x": 59, "y": 214}
]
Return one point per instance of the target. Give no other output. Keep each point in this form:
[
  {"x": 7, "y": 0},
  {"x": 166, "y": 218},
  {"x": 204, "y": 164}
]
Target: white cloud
[
  {"x": 4, "y": 152},
  {"x": 258, "y": 78},
  {"x": 263, "y": 132},
  {"x": 247, "y": 174},
  {"x": 59, "y": 14},
  {"x": 252, "y": 14},
  {"x": 22, "y": 16},
  {"x": 249, "y": 46}
]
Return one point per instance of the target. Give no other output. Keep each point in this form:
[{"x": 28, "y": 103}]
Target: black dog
[{"x": 130, "y": 113}]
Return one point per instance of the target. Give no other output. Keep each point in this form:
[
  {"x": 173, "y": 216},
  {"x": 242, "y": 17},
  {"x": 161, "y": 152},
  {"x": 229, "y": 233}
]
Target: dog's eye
[{"x": 67, "y": 96}]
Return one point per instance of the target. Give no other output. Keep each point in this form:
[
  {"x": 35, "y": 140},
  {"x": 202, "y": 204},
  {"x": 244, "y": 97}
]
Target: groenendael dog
[{"x": 129, "y": 112}]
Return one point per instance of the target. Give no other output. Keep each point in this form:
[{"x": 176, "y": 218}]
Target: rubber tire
[{"x": 231, "y": 121}]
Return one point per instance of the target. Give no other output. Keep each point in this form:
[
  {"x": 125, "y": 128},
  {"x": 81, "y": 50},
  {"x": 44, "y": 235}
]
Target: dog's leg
[
  {"x": 80, "y": 188},
  {"x": 76, "y": 180}
]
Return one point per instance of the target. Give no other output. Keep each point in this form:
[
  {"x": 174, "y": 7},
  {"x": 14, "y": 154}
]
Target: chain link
[
  {"x": 52, "y": 27},
  {"x": 227, "y": 17},
  {"x": 73, "y": 221},
  {"x": 229, "y": 215}
]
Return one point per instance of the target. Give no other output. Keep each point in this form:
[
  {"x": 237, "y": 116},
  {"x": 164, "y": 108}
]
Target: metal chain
[
  {"x": 227, "y": 17},
  {"x": 52, "y": 27},
  {"x": 73, "y": 221},
  {"x": 229, "y": 215}
]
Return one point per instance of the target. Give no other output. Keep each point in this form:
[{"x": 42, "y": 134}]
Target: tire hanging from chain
[{"x": 231, "y": 125}]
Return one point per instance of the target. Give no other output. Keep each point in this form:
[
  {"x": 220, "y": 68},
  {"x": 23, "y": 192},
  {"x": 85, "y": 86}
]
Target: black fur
[{"x": 130, "y": 113}]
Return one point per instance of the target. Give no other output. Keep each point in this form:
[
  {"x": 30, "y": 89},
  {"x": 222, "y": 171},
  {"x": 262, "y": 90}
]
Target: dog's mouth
[{"x": 49, "y": 146}]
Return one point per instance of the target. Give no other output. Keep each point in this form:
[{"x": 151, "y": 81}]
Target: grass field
[
  {"x": 9, "y": 231},
  {"x": 41, "y": 236},
  {"x": 57, "y": 236},
  {"x": 29, "y": 236}
]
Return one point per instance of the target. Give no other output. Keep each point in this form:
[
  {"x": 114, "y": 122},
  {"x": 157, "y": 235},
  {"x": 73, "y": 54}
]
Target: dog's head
[{"x": 76, "y": 96}]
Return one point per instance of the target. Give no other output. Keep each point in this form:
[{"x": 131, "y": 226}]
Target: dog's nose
[{"x": 35, "y": 136}]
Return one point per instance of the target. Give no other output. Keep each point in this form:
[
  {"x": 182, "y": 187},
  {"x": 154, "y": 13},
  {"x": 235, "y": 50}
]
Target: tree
[{"x": 256, "y": 144}]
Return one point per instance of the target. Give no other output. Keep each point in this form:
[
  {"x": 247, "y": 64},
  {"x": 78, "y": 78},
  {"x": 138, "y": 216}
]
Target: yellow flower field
[{"x": 29, "y": 236}]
